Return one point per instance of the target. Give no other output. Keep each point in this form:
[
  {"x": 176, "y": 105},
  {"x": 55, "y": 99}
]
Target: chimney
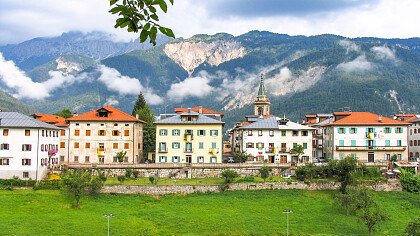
[
  {"x": 189, "y": 110},
  {"x": 200, "y": 109},
  {"x": 75, "y": 114},
  {"x": 380, "y": 118}
]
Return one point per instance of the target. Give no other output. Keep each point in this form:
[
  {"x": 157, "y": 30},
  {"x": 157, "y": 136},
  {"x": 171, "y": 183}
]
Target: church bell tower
[{"x": 261, "y": 103}]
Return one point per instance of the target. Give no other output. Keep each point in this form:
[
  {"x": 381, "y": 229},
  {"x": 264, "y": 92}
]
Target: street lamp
[
  {"x": 287, "y": 212},
  {"x": 108, "y": 217}
]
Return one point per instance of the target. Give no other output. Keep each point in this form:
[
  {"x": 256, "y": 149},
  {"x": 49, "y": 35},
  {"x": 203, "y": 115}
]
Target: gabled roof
[
  {"x": 415, "y": 120},
  {"x": 201, "y": 119},
  {"x": 180, "y": 110},
  {"x": 17, "y": 120},
  {"x": 363, "y": 118},
  {"x": 271, "y": 122},
  {"x": 51, "y": 119},
  {"x": 406, "y": 117},
  {"x": 113, "y": 115}
]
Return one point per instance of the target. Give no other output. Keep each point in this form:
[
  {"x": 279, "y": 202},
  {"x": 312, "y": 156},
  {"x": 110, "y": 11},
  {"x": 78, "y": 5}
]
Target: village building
[
  {"x": 317, "y": 121},
  {"x": 366, "y": 136},
  {"x": 189, "y": 137},
  {"x": 28, "y": 147},
  {"x": 414, "y": 140},
  {"x": 95, "y": 137}
]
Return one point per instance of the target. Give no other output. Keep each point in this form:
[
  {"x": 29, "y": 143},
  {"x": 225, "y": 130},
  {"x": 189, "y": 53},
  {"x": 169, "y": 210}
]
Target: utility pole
[
  {"x": 287, "y": 212},
  {"x": 108, "y": 217}
]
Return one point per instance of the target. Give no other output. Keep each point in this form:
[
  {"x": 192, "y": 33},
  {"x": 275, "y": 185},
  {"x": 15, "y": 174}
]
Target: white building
[
  {"x": 368, "y": 137},
  {"x": 317, "y": 121},
  {"x": 28, "y": 147},
  {"x": 414, "y": 140},
  {"x": 271, "y": 139}
]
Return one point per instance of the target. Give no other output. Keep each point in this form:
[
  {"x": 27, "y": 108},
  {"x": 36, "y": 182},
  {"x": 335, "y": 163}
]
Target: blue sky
[{"x": 25, "y": 19}]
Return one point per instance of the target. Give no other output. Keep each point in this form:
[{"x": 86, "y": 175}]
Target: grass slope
[{"x": 26, "y": 212}]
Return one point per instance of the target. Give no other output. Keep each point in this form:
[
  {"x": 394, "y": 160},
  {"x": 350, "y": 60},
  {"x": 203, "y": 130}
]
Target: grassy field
[{"x": 27, "y": 212}]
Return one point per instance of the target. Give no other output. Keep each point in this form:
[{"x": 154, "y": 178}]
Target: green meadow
[{"x": 48, "y": 212}]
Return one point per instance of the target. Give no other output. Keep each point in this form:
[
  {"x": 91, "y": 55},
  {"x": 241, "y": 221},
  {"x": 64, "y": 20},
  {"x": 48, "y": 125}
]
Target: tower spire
[
  {"x": 262, "y": 103},
  {"x": 261, "y": 89}
]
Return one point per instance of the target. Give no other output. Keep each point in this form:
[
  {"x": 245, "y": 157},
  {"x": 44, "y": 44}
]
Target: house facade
[
  {"x": 28, "y": 147},
  {"x": 95, "y": 137},
  {"x": 189, "y": 137},
  {"x": 317, "y": 121},
  {"x": 414, "y": 140},
  {"x": 272, "y": 138},
  {"x": 368, "y": 137}
]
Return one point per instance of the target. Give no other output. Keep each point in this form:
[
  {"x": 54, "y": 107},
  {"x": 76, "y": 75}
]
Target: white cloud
[
  {"x": 125, "y": 85},
  {"x": 360, "y": 64},
  {"x": 112, "y": 101},
  {"x": 384, "y": 52},
  {"x": 190, "y": 87},
  {"x": 349, "y": 46}
]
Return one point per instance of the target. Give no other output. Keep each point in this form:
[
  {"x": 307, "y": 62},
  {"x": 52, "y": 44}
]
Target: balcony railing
[
  {"x": 370, "y": 148},
  {"x": 284, "y": 150},
  {"x": 188, "y": 150},
  {"x": 213, "y": 150},
  {"x": 269, "y": 150},
  {"x": 163, "y": 150},
  {"x": 371, "y": 135}
]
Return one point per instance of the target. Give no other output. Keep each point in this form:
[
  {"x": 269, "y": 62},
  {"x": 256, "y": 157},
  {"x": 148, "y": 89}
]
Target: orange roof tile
[
  {"x": 311, "y": 116},
  {"x": 51, "y": 119},
  {"x": 180, "y": 110},
  {"x": 363, "y": 118},
  {"x": 113, "y": 115}
]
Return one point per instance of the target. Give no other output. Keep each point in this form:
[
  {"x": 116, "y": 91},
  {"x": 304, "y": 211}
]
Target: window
[
  {"x": 163, "y": 132},
  {"x": 26, "y": 162},
  {"x": 387, "y": 143},
  {"x": 126, "y": 145},
  {"x": 4, "y": 161},
  {"x": 411, "y": 142},
  {"x": 305, "y": 145},
  {"x": 176, "y": 132},
  {"x": 271, "y": 133},
  {"x": 201, "y": 145},
  {"x": 126, "y": 132},
  {"x": 214, "y": 132},
  {"x": 61, "y": 158},
  {"x": 76, "y": 132},
  {"x": 76, "y": 144},
  {"x": 87, "y": 145},
  {"x": 213, "y": 145},
  {"x": 88, "y": 132},
  {"x": 341, "y": 130},
  {"x": 353, "y": 143},
  {"x": 213, "y": 159},
  {"x": 201, "y": 132},
  {"x": 101, "y": 132},
  {"x": 200, "y": 159},
  {"x": 63, "y": 132},
  {"x": 43, "y": 133},
  {"x": 4, "y": 146},
  {"x": 250, "y": 145},
  {"x": 260, "y": 132},
  {"x": 176, "y": 159},
  {"x": 283, "y": 133},
  {"x": 162, "y": 147},
  {"x": 176, "y": 145},
  {"x": 26, "y": 147},
  {"x": 87, "y": 124},
  {"x": 399, "y": 143},
  {"x": 62, "y": 145},
  {"x": 115, "y": 133},
  {"x": 295, "y": 133},
  {"x": 115, "y": 145},
  {"x": 76, "y": 158},
  {"x": 304, "y": 133},
  {"x": 353, "y": 130},
  {"x": 102, "y": 124},
  {"x": 77, "y": 124},
  {"x": 398, "y": 130},
  {"x": 260, "y": 145},
  {"x": 387, "y": 130},
  {"x": 341, "y": 143},
  {"x": 86, "y": 158},
  {"x": 27, "y": 132},
  {"x": 162, "y": 158},
  {"x": 25, "y": 174},
  {"x": 294, "y": 145},
  {"x": 5, "y": 132},
  {"x": 249, "y": 132}
]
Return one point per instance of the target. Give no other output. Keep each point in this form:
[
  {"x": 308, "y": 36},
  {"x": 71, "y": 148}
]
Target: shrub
[
  {"x": 409, "y": 181},
  {"x": 413, "y": 228},
  {"x": 121, "y": 178},
  {"x": 47, "y": 184},
  {"x": 136, "y": 174},
  {"x": 229, "y": 175},
  {"x": 128, "y": 173},
  {"x": 246, "y": 179},
  {"x": 265, "y": 172},
  {"x": 152, "y": 179},
  {"x": 16, "y": 182}
]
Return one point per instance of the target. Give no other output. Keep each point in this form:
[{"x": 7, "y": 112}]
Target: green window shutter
[
  {"x": 356, "y": 131},
  {"x": 341, "y": 143},
  {"x": 353, "y": 143},
  {"x": 367, "y": 130},
  {"x": 204, "y": 132},
  {"x": 367, "y": 143},
  {"x": 384, "y": 129},
  {"x": 160, "y": 146},
  {"x": 344, "y": 130},
  {"x": 213, "y": 145},
  {"x": 390, "y": 130},
  {"x": 387, "y": 143},
  {"x": 173, "y": 158},
  {"x": 294, "y": 145},
  {"x": 198, "y": 159},
  {"x": 198, "y": 132},
  {"x": 384, "y": 157},
  {"x": 374, "y": 143},
  {"x": 173, "y": 132},
  {"x": 305, "y": 145},
  {"x": 374, "y": 130},
  {"x": 200, "y": 145}
]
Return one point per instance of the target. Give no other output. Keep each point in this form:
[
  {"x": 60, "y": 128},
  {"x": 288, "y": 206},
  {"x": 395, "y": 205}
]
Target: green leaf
[
  {"x": 152, "y": 9},
  {"x": 154, "y": 17},
  {"x": 169, "y": 33},
  {"x": 143, "y": 35},
  {"x": 112, "y": 2},
  {"x": 172, "y": 2},
  {"x": 163, "y": 6},
  {"x": 147, "y": 26}
]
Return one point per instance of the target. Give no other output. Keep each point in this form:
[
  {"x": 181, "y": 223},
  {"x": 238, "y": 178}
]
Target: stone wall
[{"x": 392, "y": 185}]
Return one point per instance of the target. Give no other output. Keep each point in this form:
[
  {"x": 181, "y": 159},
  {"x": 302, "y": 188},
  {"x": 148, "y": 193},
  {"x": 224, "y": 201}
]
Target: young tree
[
  {"x": 141, "y": 15},
  {"x": 65, "y": 113},
  {"x": 242, "y": 156},
  {"x": 265, "y": 172},
  {"x": 298, "y": 150},
  {"x": 121, "y": 156},
  {"x": 413, "y": 228},
  {"x": 149, "y": 131},
  {"x": 345, "y": 169}
]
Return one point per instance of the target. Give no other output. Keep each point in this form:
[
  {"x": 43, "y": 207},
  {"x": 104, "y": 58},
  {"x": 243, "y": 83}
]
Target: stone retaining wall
[{"x": 188, "y": 189}]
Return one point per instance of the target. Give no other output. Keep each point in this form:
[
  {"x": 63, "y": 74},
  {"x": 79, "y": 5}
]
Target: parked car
[{"x": 231, "y": 160}]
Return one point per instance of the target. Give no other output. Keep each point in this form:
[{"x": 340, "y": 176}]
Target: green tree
[
  {"x": 297, "y": 150},
  {"x": 413, "y": 228},
  {"x": 121, "y": 156},
  {"x": 78, "y": 183},
  {"x": 149, "y": 130},
  {"x": 65, "y": 113},
  {"x": 141, "y": 15},
  {"x": 265, "y": 172},
  {"x": 242, "y": 156},
  {"x": 345, "y": 169}
]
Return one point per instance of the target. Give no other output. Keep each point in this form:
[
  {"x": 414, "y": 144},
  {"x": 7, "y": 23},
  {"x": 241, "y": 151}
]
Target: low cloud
[
  {"x": 190, "y": 87},
  {"x": 349, "y": 46},
  {"x": 384, "y": 52},
  {"x": 112, "y": 101},
  {"x": 360, "y": 64},
  {"x": 24, "y": 87}
]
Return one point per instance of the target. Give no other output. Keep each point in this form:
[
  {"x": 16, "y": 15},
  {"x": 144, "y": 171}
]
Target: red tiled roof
[
  {"x": 180, "y": 110},
  {"x": 114, "y": 115},
  {"x": 51, "y": 119},
  {"x": 312, "y": 121},
  {"x": 363, "y": 118},
  {"x": 311, "y": 116}
]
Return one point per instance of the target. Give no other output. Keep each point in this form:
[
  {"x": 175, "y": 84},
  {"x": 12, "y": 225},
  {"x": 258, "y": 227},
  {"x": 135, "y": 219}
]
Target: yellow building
[{"x": 189, "y": 137}]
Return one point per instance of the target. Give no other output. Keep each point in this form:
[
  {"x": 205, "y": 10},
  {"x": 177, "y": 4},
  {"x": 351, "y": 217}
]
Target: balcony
[
  {"x": 269, "y": 150},
  {"x": 101, "y": 152},
  {"x": 188, "y": 137},
  {"x": 370, "y": 148},
  {"x": 188, "y": 150},
  {"x": 319, "y": 146},
  {"x": 371, "y": 135},
  {"x": 163, "y": 150},
  {"x": 284, "y": 150},
  {"x": 213, "y": 150}
]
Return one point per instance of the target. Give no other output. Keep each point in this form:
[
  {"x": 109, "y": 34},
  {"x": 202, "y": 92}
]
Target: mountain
[
  {"x": 316, "y": 74},
  {"x": 9, "y": 103}
]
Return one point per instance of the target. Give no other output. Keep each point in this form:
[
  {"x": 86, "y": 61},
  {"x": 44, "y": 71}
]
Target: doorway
[
  {"x": 283, "y": 159},
  {"x": 189, "y": 158},
  {"x": 271, "y": 159},
  {"x": 371, "y": 157}
]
